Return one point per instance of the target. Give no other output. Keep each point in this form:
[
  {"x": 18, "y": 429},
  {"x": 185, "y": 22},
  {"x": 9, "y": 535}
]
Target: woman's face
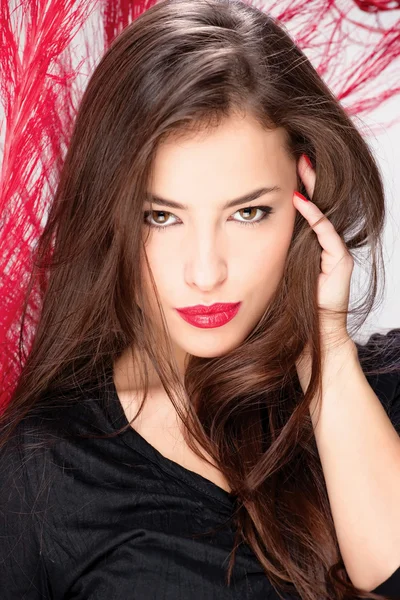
[{"x": 206, "y": 253}]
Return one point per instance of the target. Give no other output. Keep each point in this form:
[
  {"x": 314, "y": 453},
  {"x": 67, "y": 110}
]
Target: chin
[{"x": 212, "y": 350}]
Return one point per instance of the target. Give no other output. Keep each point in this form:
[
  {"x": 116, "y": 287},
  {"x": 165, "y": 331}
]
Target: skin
[{"x": 206, "y": 254}]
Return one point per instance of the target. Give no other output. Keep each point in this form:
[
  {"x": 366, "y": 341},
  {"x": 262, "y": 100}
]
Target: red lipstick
[{"x": 215, "y": 315}]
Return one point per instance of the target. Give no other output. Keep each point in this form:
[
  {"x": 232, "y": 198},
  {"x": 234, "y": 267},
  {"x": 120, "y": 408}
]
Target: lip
[
  {"x": 201, "y": 309},
  {"x": 214, "y": 317}
]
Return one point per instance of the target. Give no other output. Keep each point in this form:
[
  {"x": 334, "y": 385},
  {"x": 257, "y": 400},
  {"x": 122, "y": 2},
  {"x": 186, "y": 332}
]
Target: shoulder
[
  {"x": 22, "y": 458},
  {"x": 27, "y": 456},
  {"x": 36, "y": 486}
]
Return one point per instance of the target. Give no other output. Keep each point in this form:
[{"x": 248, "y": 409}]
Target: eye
[
  {"x": 164, "y": 215},
  {"x": 265, "y": 212},
  {"x": 160, "y": 224}
]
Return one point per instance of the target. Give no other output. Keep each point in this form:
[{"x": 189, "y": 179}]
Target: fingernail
[
  {"x": 308, "y": 161},
  {"x": 300, "y": 196}
]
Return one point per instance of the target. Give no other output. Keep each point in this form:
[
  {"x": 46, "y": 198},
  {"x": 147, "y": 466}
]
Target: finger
[
  {"x": 307, "y": 175},
  {"x": 327, "y": 235}
]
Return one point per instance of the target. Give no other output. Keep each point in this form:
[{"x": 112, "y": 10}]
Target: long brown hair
[{"x": 181, "y": 68}]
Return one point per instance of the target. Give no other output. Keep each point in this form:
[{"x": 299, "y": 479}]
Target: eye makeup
[{"x": 265, "y": 210}]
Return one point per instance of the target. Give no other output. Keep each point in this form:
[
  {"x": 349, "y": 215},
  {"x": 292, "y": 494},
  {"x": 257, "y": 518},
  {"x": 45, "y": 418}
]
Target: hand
[{"x": 336, "y": 267}]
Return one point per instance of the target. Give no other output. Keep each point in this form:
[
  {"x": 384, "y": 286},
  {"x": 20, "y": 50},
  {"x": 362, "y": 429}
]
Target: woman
[{"x": 157, "y": 448}]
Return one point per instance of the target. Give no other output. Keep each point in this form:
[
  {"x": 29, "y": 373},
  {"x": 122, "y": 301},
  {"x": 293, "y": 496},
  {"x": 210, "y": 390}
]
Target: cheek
[
  {"x": 265, "y": 272},
  {"x": 164, "y": 264},
  {"x": 267, "y": 257}
]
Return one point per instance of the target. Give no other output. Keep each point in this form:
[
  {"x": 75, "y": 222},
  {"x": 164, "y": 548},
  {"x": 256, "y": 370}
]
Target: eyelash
[{"x": 267, "y": 210}]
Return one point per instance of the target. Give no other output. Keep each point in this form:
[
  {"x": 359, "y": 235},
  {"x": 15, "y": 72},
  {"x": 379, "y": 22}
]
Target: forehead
[{"x": 231, "y": 159}]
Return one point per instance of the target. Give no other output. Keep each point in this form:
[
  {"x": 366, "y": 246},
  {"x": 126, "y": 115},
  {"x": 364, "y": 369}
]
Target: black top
[{"x": 115, "y": 519}]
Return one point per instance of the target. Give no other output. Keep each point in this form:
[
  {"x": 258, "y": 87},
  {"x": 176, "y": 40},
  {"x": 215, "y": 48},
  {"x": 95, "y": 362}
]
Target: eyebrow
[{"x": 153, "y": 198}]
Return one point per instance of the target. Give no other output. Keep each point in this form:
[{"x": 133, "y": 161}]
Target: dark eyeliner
[{"x": 267, "y": 210}]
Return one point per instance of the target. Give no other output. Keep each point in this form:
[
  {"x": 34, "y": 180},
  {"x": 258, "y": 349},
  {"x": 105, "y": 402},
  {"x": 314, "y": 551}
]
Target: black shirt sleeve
[
  {"x": 387, "y": 388},
  {"x": 22, "y": 570}
]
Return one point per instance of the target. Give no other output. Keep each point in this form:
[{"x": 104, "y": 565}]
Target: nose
[{"x": 205, "y": 261}]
